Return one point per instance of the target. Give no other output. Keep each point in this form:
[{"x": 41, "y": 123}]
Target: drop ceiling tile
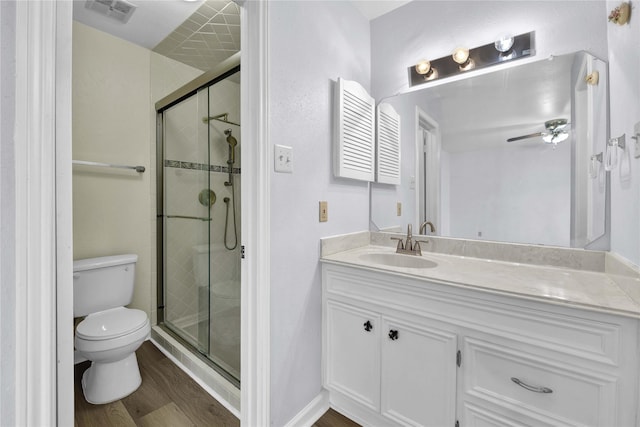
[
  {"x": 232, "y": 19},
  {"x": 221, "y": 29},
  {"x": 190, "y": 25},
  {"x": 200, "y": 19},
  {"x": 209, "y": 36},
  {"x": 231, "y": 8},
  {"x": 207, "y": 10},
  {"x": 228, "y": 46},
  {"x": 218, "y": 4},
  {"x": 218, "y": 19},
  {"x": 225, "y": 38}
]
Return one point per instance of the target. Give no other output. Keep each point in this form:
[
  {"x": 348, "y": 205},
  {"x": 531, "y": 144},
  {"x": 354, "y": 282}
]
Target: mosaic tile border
[{"x": 199, "y": 166}]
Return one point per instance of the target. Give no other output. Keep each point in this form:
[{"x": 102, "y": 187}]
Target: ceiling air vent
[{"x": 119, "y": 10}]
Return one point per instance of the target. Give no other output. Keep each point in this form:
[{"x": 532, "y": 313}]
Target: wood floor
[{"x": 167, "y": 397}]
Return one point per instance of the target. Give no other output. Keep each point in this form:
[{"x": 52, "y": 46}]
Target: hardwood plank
[
  {"x": 332, "y": 418},
  {"x": 149, "y": 353},
  {"x": 89, "y": 415},
  {"x": 167, "y": 397},
  {"x": 162, "y": 383},
  {"x": 168, "y": 415},
  {"x": 198, "y": 405},
  {"x": 149, "y": 396}
]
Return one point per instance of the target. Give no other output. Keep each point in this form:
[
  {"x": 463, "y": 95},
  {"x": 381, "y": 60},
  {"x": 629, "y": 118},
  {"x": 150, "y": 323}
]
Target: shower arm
[{"x": 221, "y": 118}]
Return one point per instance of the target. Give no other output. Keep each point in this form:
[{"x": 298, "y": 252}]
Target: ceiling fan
[{"x": 555, "y": 132}]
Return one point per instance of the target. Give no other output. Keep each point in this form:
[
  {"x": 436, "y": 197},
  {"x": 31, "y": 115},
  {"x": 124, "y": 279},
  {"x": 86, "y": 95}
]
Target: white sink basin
[{"x": 398, "y": 260}]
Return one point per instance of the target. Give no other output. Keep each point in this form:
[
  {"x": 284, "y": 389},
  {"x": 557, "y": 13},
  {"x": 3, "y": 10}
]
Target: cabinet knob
[
  {"x": 393, "y": 334},
  {"x": 368, "y": 326}
]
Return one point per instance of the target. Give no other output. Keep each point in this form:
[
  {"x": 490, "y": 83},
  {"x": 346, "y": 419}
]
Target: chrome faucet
[
  {"x": 423, "y": 227},
  {"x": 410, "y": 246}
]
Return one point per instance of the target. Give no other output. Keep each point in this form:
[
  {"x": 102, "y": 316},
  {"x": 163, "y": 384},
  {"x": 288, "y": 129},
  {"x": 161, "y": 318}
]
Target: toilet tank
[{"x": 103, "y": 283}]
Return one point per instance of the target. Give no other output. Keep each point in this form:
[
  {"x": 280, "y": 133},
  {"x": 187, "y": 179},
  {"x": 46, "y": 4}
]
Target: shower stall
[{"x": 199, "y": 177}]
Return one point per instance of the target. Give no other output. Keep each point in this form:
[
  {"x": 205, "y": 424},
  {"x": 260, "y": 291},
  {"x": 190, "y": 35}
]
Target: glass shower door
[
  {"x": 199, "y": 189},
  {"x": 187, "y": 220}
]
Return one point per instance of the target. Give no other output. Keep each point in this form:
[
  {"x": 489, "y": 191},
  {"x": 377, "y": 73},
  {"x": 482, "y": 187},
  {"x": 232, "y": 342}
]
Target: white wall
[
  {"x": 311, "y": 45},
  {"x": 432, "y": 29},
  {"x": 114, "y": 122},
  {"x": 7, "y": 213},
  {"x": 624, "y": 74}
]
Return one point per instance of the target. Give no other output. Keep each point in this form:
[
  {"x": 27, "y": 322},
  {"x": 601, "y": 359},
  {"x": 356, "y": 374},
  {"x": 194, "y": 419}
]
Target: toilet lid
[{"x": 112, "y": 323}]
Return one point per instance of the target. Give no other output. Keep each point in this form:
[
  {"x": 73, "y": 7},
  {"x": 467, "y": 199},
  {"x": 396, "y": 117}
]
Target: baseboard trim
[{"x": 312, "y": 412}]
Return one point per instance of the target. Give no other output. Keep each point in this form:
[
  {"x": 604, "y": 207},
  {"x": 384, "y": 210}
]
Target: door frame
[{"x": 43, "y": 215}]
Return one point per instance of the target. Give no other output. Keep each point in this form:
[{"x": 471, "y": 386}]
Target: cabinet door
[
  {"x": 418, "y": 374},
  {"x": 353, "y": 353}
]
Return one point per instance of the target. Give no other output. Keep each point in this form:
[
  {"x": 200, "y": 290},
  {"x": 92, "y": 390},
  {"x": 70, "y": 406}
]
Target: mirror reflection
[{"x": 512, "y": 155}]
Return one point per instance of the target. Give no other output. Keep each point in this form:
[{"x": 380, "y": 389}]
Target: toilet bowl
[{"x": 110, "y": 333}]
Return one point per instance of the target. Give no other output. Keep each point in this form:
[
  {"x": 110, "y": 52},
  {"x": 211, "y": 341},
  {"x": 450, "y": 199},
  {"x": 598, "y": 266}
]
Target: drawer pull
[
  {"x": 393, "y": 335},
  {"x": 368, "y": 326},
  {"x": 531, "y": 387}
]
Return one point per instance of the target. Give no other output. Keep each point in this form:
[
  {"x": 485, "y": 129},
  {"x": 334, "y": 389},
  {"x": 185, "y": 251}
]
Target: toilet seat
[{"x": 111, "y": 324}]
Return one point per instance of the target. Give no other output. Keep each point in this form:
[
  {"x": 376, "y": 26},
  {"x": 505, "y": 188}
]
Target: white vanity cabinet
[
  {"x": 398, "y": 368},
  {"x": 521, "y": 362}
]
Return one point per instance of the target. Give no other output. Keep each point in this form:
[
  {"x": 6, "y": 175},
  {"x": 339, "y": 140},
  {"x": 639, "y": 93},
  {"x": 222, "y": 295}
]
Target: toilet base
[{"x": 108, "y": 382}]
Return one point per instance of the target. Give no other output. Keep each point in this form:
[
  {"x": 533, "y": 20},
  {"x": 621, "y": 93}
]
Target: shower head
[{"x": 230, "y": 138}]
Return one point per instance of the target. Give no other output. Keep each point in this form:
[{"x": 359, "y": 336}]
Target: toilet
[{"x": 110, "y": 333}]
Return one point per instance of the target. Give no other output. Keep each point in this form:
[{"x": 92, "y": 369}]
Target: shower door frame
[{"x": 225, "y": 69}]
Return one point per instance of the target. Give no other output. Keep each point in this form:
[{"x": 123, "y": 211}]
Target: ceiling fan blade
[{"x": 531, "y": 135}]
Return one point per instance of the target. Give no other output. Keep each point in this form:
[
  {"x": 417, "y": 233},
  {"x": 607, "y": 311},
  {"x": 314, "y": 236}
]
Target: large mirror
[{"x": 512, "y": 155}]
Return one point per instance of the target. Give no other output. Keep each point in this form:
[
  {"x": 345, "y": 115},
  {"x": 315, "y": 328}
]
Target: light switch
[
  {"x": 399, "y": 209},
  {"x": 283, "y": 158}
]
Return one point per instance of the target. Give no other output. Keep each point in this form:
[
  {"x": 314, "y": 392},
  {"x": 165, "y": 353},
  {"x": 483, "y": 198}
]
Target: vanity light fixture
[
  {"x": 464, "y": 59},
  {"x": 461, "y": 57},
  {"x": 425, "y": 69}
]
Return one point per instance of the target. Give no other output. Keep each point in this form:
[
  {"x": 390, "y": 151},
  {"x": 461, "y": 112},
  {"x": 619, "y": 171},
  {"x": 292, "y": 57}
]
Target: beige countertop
[{"x": 593, "y": 290}]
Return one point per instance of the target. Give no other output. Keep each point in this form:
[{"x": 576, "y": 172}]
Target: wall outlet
[
  {"x": 324, "y": 212},
  {"x": 399, "y": 209}
]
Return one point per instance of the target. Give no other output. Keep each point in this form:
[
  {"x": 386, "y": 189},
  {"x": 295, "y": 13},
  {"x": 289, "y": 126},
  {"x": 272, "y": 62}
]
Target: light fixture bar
[{"x": 483, "y": 56}]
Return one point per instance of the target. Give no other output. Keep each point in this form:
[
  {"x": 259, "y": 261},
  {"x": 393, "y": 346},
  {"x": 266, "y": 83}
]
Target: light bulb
[
  {"x": 504, "y": 44},
  {"x": 423, "y": 67},
  {"x": 460, "y": 55}
]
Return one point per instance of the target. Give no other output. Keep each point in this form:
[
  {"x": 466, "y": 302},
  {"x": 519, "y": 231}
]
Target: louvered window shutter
[
  {"x": 388, "y": 145},
  {"x": 354, "y": 142}
]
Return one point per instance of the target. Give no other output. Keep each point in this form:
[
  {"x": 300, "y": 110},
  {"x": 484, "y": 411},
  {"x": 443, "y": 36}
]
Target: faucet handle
[
  {"x": 416, "y": 246},
  {"x": 409, "y": 234},
  {"x": 400, "y": 246}
]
